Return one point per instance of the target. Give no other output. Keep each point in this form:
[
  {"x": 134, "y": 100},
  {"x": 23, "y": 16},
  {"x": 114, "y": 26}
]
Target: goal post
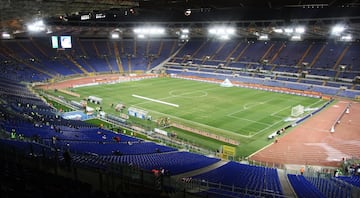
[{"x": 297, "y": 111}]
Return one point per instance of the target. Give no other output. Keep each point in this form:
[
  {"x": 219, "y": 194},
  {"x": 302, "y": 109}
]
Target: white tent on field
[{"x": 226, "y": 83}]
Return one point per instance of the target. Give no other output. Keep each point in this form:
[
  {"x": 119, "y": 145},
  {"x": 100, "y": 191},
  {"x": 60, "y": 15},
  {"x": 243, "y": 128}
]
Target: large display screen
[
  {"x": 65, "y": 42},
  {"x": 61, "y": 42},
  {"x": 55, "y": 42}
]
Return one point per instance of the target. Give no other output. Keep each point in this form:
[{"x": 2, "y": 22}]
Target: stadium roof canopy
[{"x": 250, "y": 18}]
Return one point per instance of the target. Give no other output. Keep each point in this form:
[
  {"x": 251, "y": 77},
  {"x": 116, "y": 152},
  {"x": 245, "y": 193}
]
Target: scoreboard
[{"x": 63, "y": 42}]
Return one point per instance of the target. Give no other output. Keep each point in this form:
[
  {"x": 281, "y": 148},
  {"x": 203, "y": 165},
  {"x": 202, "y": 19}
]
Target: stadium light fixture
[
  {"x": 224, "y": 37},
  {"x": 100, "y": 16},
  {"x": 230, "y": 31},
  {"x": 264, "y": 37},
  {"x": 139, "y": 30},
  {"x": 6, "y": 35},
  {"x": 337, "y": 30},
  {"x": 222, "y": 32},
  {"x": 288, "y": 30},
  {"x": 149, "y": 31},
  {"x": 212, "y": 31},
  {"x": 299, "y": 30},
  {"x": 36, "y": 26},
  {"x": 115, "y": 35},
  {"x": 295, "y": 38},
  {"x": 184, "y": 36},
  {"x": 185, "y": 31},
  {"x": 141, "y": 36},
  {"x": 346, "y": 38},
  {"x": 85, "y": 17},
  {"x": 278, "y": 30}
]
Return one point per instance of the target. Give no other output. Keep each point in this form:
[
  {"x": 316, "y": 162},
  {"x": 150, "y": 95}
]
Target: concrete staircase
[{"x": 288, "y": 191}]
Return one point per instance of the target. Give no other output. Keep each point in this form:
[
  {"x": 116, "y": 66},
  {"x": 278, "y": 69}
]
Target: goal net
[{"x": 297, "y": 111}]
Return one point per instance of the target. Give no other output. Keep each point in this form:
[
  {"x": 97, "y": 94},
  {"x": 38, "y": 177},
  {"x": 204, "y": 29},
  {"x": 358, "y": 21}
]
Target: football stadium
[{"x": 184, "y": 98}]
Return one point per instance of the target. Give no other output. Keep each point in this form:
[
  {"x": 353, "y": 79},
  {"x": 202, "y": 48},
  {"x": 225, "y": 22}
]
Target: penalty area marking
[{"x": 154, "y": 100}]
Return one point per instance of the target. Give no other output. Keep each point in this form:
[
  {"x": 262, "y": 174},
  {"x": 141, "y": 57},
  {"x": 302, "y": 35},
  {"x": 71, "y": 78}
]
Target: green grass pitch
[{"x": 244, "y": 114}]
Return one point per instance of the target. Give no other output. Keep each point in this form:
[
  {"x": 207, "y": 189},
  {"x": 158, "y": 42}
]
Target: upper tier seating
[{"x": 34, "y": 59}]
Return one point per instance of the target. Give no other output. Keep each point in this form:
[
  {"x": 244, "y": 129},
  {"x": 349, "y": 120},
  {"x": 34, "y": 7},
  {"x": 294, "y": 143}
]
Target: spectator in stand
[
  {"x": 302, "y": 170},
  {"x": 117, "y": 138}
]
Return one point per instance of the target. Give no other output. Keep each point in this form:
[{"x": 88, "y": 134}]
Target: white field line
[
  {"x": 314, "y": 103},
  {"x": 262, "y": 123},
  {"x": 154, "y": 100},
  {"x": 276, "y": 112},
  {"x": 195, "y": 123},
  {"x": 276, "y": 116},
  {"x": 175, "y": 96},
  {"x": 247, "y": 107},
  {"x": 229, "y": 115},
  {"x": 275, "y": 123}
]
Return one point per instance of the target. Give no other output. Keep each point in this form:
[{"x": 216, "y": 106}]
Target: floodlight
[
  {"x": 85, "y": 17},
  {"x": 139, "y": 30},
  {"x": 149, "y": 31},
  {"x": 346, "y": 38},
  {"x": 100, "y": 16},
  {"x": 295, "y": 38},
  {"x": 264, "y": 37},
  {"x": 39, "y": 23},
  {"x": 230, "y": 30},
  {"x": 212, "y": 31},
  {"x": 141, "y": 36},
  {"x": 160, "y": 31},
  {"x": 36, "y": 26},
  {"x": 224, "y": 37},
  {"x": 115, "y": 35},
  {"x": 6, "y": 35},
  {"x": 288, "y": 30},
  {"x": 222, "y": 32},
  {"x": 152, "y": 31},
  {"x": 185, "y": 31},
  {"x": 278, "y": 30},
  {"x": 300, "y": 30},
  {"x": 184, "y": 36},
  {"x": 337, "y": 29}
]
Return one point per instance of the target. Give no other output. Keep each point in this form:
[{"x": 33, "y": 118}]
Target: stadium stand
[
  {"x": 143, "y": 56},
  {"x": 304, "y": 188},
  {"x": 353, "y": 180},
  {"x": 244, "y": 177},
  {"x": 35, "y": 138},
  {"x": 320, "y": 186}
]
